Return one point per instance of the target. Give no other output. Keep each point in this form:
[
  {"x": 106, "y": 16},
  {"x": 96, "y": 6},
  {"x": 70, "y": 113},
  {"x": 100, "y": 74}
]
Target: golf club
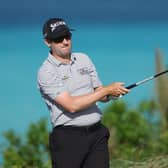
[
  {"x": 146, "y": 80},
  {"x": 140, "y": 82}
]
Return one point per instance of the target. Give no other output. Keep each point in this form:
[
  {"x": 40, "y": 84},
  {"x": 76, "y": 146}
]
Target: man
[{"x": 70, "y": 86}]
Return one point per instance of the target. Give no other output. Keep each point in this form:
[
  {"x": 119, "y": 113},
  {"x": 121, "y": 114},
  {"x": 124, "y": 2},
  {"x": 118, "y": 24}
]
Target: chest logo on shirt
[
  {"x": 83, "y": 71},
  {"x": 65, "y": 77}
]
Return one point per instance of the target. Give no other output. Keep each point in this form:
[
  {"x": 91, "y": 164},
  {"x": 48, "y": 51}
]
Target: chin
[{"x": 66, "y": 55}]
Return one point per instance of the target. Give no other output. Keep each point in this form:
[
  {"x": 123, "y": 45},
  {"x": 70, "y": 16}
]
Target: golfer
[{"x": 70, "y": 86}]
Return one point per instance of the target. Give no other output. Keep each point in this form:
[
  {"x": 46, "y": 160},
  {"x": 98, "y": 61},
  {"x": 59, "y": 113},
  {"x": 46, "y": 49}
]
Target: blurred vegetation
[
  {"x": 162, "y": 89},
  {"x": 139, "y": 135},
  {"x": 30, "y": 151}
]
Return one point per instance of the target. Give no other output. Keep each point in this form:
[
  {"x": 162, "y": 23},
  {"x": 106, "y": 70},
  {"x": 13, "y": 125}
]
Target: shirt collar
[{"x": 53, "y": 60}]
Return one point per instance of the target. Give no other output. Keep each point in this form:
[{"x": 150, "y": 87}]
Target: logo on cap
[{"x": 57, "y": 24}]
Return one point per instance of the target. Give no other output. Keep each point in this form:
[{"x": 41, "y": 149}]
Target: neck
[{"x": 63, "y": 60}]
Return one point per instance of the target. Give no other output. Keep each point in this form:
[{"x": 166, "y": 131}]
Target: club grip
[{"x": 131, "y": 86}]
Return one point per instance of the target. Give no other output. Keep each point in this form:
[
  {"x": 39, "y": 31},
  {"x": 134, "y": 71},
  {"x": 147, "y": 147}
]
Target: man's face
[{"x": 61, "y": 47}]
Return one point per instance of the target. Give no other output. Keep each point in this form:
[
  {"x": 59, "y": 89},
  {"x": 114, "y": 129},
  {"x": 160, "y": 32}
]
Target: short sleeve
[{"x": 50, "y": 84}]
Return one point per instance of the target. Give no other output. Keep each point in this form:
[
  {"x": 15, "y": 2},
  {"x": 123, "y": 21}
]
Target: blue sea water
[{"x": 121, "y": 52}]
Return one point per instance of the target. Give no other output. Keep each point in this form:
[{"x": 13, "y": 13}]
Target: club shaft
[{"x": 145, "y": 80}]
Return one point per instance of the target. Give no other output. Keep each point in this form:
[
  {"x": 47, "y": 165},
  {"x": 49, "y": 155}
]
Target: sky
[{"x": 35, "y": 11}]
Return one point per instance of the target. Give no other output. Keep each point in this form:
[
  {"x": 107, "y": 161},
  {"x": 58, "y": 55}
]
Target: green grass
[{"x": 157, "y": 162}]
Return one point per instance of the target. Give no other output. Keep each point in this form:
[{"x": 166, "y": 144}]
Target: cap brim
[{"x": 62, "y": 32}]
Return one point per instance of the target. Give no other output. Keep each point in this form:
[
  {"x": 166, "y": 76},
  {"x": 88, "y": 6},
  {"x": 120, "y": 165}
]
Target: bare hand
[{"x": 116, "y": 89}]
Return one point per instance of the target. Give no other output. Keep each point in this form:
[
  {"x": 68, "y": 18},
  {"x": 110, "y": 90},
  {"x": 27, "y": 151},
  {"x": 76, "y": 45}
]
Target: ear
[{"x": 47, "y": 42}]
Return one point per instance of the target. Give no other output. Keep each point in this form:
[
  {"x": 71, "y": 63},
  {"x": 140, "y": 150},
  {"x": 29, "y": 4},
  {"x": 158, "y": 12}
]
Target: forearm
[
  {"x": 77, "y": 103},
  {"x": 84, "y": 101},
  {"x": 103, "y": 99}
]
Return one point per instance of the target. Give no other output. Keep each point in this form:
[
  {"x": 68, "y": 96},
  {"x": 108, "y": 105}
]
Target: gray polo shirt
[{"x": 79, "y": 77}]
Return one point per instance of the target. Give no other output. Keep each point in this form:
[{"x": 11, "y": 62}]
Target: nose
[{"x": 65, "y": 40}]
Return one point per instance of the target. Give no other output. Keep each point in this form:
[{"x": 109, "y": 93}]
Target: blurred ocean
[{"x": 121, "y": 52}]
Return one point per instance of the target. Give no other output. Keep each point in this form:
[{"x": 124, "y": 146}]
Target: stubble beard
[{"x": 65, "y": 55}]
